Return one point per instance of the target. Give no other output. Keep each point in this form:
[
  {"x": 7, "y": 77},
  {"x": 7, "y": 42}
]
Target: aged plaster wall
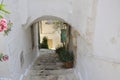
[
  {"x": 84, "y": 23},
  {"x": 17, "y": 42},
  {"x": 79, "y": 14},
  {"x": 107, "y": 41},
  {"x": 58, "y": 8},
  {"x": 98, "y": 52},
  {"x": 4, "y": 69}
]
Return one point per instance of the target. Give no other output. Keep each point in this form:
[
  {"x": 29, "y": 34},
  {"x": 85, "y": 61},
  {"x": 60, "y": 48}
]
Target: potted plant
[
  {"x": 65, "y": 56},
  {"x": 68, "y": 59}
]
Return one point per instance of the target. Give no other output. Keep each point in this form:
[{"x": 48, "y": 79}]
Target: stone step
[
  {"x": 50, "y": 72},
  {"x": 48, "y": 67},
  {"x": 69, "y": 76}
]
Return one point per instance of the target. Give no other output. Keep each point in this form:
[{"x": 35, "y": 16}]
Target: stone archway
[
  {"x": 45, "y": 17},
  {"x": 48, "y": 17},
  {"x": 70, "y": 44}
]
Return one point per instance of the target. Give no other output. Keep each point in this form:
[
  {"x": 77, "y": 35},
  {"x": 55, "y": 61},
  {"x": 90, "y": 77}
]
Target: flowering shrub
[
  {"x": 5, "y": 26},
  {"x": 3, "y": 57}
]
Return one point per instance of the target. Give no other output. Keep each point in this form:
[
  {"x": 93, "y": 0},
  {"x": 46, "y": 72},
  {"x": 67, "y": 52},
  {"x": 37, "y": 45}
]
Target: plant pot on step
[{"x": 68, "y": 64}]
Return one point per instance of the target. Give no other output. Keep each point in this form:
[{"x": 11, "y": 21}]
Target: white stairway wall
[{"x": 18, "y": 41}]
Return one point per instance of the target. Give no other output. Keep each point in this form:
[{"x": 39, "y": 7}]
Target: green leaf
[
  {"x": 5, "y": 11},
  {"x": 1, "y": 16},
  {"x": 2, "y": 8},
  {"x": 1, "y": 56}
]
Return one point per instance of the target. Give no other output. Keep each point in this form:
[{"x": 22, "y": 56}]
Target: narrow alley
[
  {"x": 49, "y": 67},
  {"x": 84, "y": 33}
]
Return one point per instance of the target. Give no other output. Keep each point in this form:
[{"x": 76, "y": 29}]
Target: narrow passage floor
[{"x": 49, "y": 67}]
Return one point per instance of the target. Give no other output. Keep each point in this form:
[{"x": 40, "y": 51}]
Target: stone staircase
[{"x": 49, "y": 67}]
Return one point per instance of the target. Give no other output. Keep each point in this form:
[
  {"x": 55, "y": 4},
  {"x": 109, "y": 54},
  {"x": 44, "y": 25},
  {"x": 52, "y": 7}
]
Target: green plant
[
  {"x": 44, "y": 43},
  {"x": 59, "y": 48},
  {"x": 64, "y": 55}
]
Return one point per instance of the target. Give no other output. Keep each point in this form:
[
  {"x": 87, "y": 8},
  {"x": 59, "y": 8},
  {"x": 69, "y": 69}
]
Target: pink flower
[
  {"x": 5, "y": 57},
  {"x": 4, "y": 20},
  {"x": 3, "y": 25}
]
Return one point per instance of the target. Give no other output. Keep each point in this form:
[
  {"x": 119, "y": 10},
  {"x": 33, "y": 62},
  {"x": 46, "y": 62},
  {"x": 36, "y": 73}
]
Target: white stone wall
[
  {"x": 107, "y": 41},
  {"x": 18, "y": 41},
  {"x": 58, "y": 8},
  {"x": 84, "y": 23},
  {"x": 4, "y": 66},
  {"x": 98, "y": 59},
  {"x": 107, "y": 31}
]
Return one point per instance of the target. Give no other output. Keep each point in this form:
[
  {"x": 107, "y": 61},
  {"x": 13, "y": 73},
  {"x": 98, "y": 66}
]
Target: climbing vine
[{"x": 5, "y": 26}]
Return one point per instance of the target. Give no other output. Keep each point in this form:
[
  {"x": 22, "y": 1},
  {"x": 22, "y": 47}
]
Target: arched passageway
[
  {"x": 52, "y": 35},
  {"x": 54, "y": 28}
]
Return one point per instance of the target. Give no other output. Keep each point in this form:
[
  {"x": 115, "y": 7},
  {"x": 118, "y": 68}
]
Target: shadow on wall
[{"x": 21, "y": 59}]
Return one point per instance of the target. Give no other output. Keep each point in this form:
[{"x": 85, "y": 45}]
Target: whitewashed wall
[
  {"x": 107, "y": 41},
  {"x": 58, "y": 8},
  {"x": 98, "y": 54},
  {"x": 84, "y": 23},
  {"x": 18, "y": 41},
  {"x": 4, "y": 66}
]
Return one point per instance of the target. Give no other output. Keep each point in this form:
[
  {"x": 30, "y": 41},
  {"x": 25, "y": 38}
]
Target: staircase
[{"x": 49, "y": 67}]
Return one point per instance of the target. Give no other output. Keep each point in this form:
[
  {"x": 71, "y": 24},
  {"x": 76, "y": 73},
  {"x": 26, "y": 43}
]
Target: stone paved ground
[{"x": 49, "y": 67}]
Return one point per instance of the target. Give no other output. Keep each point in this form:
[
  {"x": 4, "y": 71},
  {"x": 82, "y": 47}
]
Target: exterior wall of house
[{"x": 51, "y": 33}]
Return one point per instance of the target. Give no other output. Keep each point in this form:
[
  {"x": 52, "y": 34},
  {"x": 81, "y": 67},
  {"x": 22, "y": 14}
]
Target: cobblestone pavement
[{"x": 49, "y": 67}]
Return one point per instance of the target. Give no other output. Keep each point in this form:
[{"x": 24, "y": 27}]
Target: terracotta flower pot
[{"x": 68, "y": 64}]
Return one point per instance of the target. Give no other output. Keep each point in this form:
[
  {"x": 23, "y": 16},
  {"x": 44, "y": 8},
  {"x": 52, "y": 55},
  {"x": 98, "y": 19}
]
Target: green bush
[
  {"x": 64, "y": 55},
  {"x": 44, "y": 43},
  {"x": 58, "y": 49}
]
